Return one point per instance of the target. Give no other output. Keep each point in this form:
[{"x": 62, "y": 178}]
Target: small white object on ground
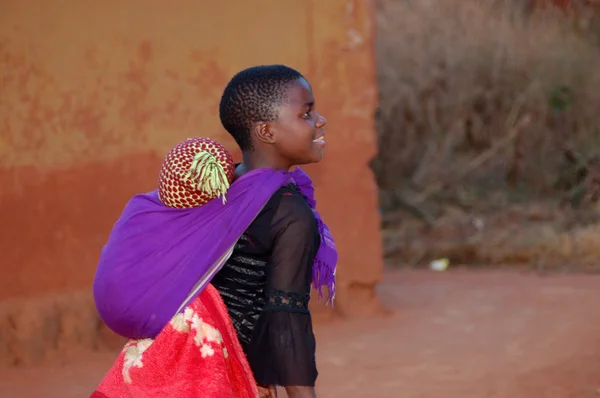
[{"x": 440, "y": 264}]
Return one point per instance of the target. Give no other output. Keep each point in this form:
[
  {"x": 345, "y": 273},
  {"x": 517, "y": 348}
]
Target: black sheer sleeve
[{"x": 282, "y": 349}]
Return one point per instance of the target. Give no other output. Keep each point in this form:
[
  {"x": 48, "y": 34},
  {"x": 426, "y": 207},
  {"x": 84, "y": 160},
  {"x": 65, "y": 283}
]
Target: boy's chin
[
  {"x": 317, "y": 156},
  {"x": 313, "y": 159}
]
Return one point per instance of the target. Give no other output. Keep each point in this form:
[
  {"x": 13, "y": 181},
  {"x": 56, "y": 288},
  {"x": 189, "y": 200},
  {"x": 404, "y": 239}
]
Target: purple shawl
[{"x": 158, "y": 259}]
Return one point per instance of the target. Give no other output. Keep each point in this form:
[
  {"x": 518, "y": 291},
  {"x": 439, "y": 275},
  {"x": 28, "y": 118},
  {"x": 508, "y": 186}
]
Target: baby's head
[{"x": 270, "y": 110}]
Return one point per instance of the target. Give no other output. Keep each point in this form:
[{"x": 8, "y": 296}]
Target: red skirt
[{"x": 196, "y": 355}]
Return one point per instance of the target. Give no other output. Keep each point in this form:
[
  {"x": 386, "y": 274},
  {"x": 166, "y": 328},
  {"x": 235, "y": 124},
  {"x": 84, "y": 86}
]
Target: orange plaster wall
[{"x": 93, "y": 94}]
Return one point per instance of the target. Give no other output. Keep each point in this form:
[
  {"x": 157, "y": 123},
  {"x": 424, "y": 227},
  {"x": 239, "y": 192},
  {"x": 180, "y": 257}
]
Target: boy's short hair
[{"x": 254, "y": 95}]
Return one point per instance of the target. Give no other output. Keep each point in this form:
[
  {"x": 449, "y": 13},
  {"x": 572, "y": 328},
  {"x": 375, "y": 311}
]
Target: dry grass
[{"x": 456, "y": 75}]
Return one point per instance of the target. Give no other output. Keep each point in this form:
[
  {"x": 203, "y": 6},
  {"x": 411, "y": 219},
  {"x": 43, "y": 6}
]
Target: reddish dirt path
[{"x": 475, "y": 334}]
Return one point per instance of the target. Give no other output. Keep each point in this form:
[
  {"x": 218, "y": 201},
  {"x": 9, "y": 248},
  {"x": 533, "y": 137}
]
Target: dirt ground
[{"x": 467, "y": 334}]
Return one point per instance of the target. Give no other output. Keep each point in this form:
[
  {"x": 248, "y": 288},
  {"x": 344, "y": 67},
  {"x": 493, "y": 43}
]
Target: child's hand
[{"x": 267, "y": 392}]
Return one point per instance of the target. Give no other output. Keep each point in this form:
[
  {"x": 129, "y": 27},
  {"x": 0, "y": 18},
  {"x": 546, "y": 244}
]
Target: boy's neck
[{"x": 254, "y": 160}]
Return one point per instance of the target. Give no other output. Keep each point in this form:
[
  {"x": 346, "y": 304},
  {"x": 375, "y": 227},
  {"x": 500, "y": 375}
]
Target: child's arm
[{"x": 283, "y": 344}]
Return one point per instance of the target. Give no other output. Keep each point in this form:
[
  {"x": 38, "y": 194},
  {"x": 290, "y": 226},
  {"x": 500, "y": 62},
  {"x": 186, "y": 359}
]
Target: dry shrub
[{"x": 456, "y": 75}]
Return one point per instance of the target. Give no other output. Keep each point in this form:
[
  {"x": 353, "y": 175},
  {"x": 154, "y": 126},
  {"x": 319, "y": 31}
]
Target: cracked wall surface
[{"x": 95, "y": 93}]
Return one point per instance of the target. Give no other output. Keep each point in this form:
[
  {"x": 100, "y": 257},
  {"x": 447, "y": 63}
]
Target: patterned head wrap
[{"x": 194, "y": 172}]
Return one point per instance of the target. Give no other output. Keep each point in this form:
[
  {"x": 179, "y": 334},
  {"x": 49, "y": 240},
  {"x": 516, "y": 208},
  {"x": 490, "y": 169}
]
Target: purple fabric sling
[{"x": 158, "y": 259}]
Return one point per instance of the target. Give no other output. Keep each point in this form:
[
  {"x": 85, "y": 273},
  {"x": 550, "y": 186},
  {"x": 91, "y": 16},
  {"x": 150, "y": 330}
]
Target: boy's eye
[{"x": 307, "y": 114}]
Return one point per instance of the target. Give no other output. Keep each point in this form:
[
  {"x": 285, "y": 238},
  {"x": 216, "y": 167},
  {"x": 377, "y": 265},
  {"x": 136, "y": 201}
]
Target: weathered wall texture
[{"x": 93, "y": 94}]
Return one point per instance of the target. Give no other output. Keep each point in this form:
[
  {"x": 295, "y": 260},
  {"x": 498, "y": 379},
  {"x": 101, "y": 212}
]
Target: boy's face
[{"x": 298, "y": 134}]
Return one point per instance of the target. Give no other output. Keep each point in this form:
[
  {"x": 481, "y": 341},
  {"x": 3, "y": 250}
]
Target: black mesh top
[{"x": 266, "y": 288}]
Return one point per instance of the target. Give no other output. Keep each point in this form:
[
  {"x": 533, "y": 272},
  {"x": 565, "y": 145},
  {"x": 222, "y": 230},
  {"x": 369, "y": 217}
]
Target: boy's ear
[{"x": 263, "y": 133}]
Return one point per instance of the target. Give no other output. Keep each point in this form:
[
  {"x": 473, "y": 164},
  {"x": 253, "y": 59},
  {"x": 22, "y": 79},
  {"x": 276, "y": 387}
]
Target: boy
[{"x": 270, "y": 112}]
